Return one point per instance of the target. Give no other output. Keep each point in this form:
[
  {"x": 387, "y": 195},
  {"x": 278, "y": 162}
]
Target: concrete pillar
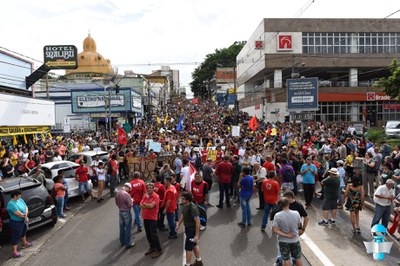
[
  {"x": 353, "y": 77},
  {"x": 278, "y": 78}
]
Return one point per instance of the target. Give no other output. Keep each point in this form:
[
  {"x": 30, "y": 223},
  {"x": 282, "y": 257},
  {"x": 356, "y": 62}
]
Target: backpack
[
  {"x": 287, "y": 176},
  {"x": 202, "y": 214}
]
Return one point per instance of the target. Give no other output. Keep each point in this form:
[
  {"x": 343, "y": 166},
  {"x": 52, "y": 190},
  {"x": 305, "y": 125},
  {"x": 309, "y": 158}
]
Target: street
[{"x": 90, "y": 237}]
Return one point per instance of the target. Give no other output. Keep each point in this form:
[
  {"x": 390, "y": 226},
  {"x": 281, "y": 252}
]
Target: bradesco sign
[
  {"x": 302, "y": 94},
  {"x": 61, "y": 56}
]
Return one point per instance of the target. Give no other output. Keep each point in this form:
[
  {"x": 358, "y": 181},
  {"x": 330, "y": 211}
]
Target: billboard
[
  {"x": 93, "y": 100},
  {"x": 302, "y": 94},
  {"x": 61, "y": 56},
  {"x": 13, "y": 71},
  {"x": 24, "y": 111}
]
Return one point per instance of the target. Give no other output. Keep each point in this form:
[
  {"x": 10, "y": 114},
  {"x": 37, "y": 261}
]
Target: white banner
[{"x": 24, "y": 111}]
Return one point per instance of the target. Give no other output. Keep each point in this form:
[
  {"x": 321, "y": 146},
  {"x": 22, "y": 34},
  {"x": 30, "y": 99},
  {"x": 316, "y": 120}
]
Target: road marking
[{"x": 320, "y": 255}]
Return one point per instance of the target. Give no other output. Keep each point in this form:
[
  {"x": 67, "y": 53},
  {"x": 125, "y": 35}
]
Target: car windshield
[{"x": 393, "y": 125}]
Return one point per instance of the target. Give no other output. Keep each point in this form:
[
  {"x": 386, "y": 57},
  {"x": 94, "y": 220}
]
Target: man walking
[
  {"x": 124, "y": 203},
  {"x": 150, "y": 205},
  {"x": 286, "y": 225},
  {"x": 260, "y": 173},
  {"x": 237, "y": 170},
  {"x": 190, "y": 219},
  {"x": 383, "y": 198},
  {"x": 224, "y": 173},
  {"x": 270, "y": 188},
  {"x": 330, "y": 186},
  {"x": 81, "y": 174},
  {"x": 200, "y": 193},
  {"x": 308, "y": 171}
]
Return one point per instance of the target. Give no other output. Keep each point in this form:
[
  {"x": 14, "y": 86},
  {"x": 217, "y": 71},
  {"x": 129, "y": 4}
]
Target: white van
[{"x": 392, "y": 128}]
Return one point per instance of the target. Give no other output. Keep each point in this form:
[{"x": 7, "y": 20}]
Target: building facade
[{"x": 346, "y": 55}]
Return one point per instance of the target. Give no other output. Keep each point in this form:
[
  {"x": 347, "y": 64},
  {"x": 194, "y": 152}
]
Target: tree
[
  {"x": 391, "y": 84},
  {"x": 225, "y": 57}
]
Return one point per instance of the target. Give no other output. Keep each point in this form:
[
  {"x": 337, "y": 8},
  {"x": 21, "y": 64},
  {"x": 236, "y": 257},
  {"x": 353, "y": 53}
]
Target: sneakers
[
  {"x": 139, "y": 229},
  {"x": 130, "y": 245},
  {"x": 263, "y": 228},
  {"x": 332, "y": 221},
  {"x": 17, "y": 255},
  {"x": 358, "y": 230},
  {"x": 323, "y": 222},
  {"x": 202, "y": 228}
]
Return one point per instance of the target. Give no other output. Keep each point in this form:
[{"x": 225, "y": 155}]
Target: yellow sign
[
  {"x": 232, "y": 90},
  {"x": 14, "y": 131},
  {"x": 212, "y": 154}
]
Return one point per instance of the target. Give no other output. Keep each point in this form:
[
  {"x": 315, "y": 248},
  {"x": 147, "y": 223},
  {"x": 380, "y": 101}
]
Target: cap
[
  {"x": 128, "y": 185},
  {"x": 340, "y": 162}
]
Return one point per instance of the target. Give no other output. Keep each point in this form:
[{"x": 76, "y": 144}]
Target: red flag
[
  {"x": 253, "y": 124},
  {"x": 195, "y": 100},
  {"x": 122, "y": 138}
]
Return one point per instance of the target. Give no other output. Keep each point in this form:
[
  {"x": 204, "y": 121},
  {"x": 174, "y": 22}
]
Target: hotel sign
[{"x": 61, "y": 56}]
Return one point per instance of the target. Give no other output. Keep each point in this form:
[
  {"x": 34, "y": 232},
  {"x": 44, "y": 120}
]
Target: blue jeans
[
  {"x": 381, "y": 212},
  {"x": 267, "y": 209},
  {"x": 66, "y": 196},
  {"x": 60, "y": 206},
  {"x": 246, "y": 212},
  {"x": 171, "y": 223},
  {"x": 125, "y": 226},
  {"x": 113, "y": 183},
  {"x": 136, "y": 211},
  {"x": 84, "y": 185},
  {"x": 340, "y": 195}
]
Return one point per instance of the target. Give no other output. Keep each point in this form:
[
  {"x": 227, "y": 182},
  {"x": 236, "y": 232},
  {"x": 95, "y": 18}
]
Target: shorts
[
  {"x": 290, "y": 250},
  {"x": 328, "y": 205},
  {"x": 287, "y": 186},
  {"x": 18, "y": 230},
  {"x": 189, "y": 245},
  {"x": 84, "y": 185}
]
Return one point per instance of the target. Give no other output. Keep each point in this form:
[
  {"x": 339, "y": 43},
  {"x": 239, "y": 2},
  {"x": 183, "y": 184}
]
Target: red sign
[
  {"x": 285, "y": 42},
  {"x": 257, "y": 107},
  {"x": 195, "y": 100},
  {"x": 391, "y": 106},
  {"x": 259, "y": 45},
  {"x": 370, "y": 96}
]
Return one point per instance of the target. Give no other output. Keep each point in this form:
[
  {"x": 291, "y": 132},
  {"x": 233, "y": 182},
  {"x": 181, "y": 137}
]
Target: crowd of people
[{"x": 275, "y": 161}]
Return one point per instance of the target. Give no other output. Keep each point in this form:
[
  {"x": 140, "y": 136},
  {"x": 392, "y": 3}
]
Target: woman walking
[
  {"x": 354, "y": 195},
  {"x": 101, "y": 179}
]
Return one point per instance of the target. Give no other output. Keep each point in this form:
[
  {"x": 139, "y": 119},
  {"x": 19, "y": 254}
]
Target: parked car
[
  {"x": 392, "y": 129},
  {"x": 51, "y": 170},
  {"x": 359, "y": 129},
  {"x": 41, "y": 207},
  {"x": 89, "y": 157}
]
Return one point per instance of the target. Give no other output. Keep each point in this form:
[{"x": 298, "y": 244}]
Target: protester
[
  {"x": 354, "y": 195},
  {"x": 259, "y": 175},
  {"x": 330, "y": 186},
  {"x": 191, "y": 221},
  {"x": 160, "y": 190},
  {"x": 224, "y": 173},
  {"x": 271, "y": 189},
  {"x": 169, "y": 206},
  {"x": 124, "y": 203},
  {"x": 246, "y": 190},
  {"x": 308, "y": 172},
  {"x": 138, "y": 189},
  {"x": 81, "y": 174},
  {"x": 60, "y": 194},
  {"x": 383, "y": 198},
  {"x": 200, "y": 194},
  {"x": 150, "y": 204},
  {"x": 101, "y": 180}
]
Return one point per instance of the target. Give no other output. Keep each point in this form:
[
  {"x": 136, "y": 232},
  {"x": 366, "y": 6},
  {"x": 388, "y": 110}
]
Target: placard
[
  {"x": 155, "y": 146},
  {"x": 235, "y": 131}
]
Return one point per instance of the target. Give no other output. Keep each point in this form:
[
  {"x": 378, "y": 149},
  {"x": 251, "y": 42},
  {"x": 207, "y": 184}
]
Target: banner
[
  {"x": 212, "y": 154},
  {"x": 143, "y": 165}
]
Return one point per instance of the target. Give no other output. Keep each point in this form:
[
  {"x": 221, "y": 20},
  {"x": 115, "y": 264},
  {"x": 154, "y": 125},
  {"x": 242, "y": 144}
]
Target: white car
[
  {"x": 51, "y": 170},
  {"x": 392, "y": 128}
]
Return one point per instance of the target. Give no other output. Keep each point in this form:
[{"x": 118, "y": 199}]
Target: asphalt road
[{"x": 90, "y": 237}]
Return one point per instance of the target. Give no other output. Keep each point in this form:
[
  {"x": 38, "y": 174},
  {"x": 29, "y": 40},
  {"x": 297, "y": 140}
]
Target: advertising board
[
  {"x": 302, "y": 94},
  {"x": 61, "y": 56}
]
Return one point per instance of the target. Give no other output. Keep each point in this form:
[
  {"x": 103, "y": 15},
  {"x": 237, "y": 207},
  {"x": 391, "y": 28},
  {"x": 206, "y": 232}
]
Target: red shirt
[
  {"x": 269, "y": 166},
  {"x": 114, "y": 167},
  {"x": 178, "y": 191},
  {"x": 138, "y": 190},
  {"x": 270, "y": 190},
  {"x": 170, "y": 195},
  {"x": 160, "y": 190},
  {"x": 224, "y": 172},
  {"x": 150, "y": 214},
  {"x": 219, "y": 156},
  {"x": 82, "y": 173},
  {"x": 204, "y": 156},
  {"x": 199, "y": 191}
]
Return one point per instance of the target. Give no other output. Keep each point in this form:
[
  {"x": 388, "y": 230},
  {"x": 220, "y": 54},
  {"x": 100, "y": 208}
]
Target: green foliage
[
  {"x": 376, "y": 135},
  {"x": 391, "y": 84},
  {"x": 225, "y": 57}
]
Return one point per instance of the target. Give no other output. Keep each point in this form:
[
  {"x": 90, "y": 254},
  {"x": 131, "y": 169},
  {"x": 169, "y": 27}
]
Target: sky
[{"x": 143, "y": 35}]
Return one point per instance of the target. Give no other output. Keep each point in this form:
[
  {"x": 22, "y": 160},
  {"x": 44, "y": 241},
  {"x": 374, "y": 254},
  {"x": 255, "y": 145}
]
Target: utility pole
[{"x": 236, "y": 98}]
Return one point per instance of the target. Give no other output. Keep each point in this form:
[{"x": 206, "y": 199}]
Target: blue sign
[
  {"x": 302, "y": 94},
  {"x": 225, "y": 99}
]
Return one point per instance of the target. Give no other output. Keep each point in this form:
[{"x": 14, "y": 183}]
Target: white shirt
[
  {"x": 101, "y": 174},
  {"x": 262, "y": 173},
  {"x": 186, "y": 179},
  {"x": 372, "y": 150},
  {"x": 382, "y": 190}
]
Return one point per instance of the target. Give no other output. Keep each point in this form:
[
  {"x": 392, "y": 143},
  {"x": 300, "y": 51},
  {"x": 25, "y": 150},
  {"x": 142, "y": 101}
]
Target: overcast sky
[{"x": 131, "y": 33}]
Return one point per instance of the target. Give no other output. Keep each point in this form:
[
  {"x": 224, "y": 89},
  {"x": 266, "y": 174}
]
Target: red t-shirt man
[
  {"x": 160, "y": 190},
  {"x": 138, "y": 190},
  {"x": 270, "y": 189},
  {"x": 269, "y": 166},
  {"x": 170, "y": 195},
  {"x": 82, "y": 173},
  {"x": 147, "y": 213}
]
